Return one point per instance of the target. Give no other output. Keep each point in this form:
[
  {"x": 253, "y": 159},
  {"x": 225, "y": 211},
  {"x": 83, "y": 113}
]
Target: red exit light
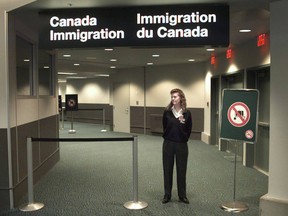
[
  {"x": 261, "y": 40},
  {"x": 213, "y": 59},
  {"x": 229, "y": 53}
]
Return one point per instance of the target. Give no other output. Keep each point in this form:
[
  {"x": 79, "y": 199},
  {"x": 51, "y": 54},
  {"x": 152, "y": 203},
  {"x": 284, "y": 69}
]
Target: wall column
[
  {"x": 6, "y": 185},
  {"x": 275, "y": 202}
]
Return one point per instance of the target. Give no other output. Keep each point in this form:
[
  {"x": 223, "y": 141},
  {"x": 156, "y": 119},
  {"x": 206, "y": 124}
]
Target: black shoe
[
  {"x": 166, "y": 199},
  {"x": 184, "y": 200}
]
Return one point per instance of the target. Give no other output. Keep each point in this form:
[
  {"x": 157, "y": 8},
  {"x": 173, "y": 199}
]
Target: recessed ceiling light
[
  {"x": 66, "y": 55},
  {"x": 76, "y": 64},
  {"x": 245, "y": 30},
  {"x": 113, "y": 60},
  {"x": 112, "y": 67},
  {"x": 46, "y": 67},
  {"x": 191, "y": 60},
  {"x": 210, "y": 50},
  {"x": 108, "y": 49},
  {"x": 155, "y": 55},
  {"x": 26, "y": 60},
  {"x": 149, "y": 63}
]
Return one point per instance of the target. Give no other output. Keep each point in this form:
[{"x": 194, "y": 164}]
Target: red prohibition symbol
[{"x": 238, "y": 114}]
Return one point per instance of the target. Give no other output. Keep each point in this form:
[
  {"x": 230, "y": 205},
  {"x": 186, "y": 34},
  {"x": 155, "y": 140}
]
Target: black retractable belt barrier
[{"x": 33, "y": 206}]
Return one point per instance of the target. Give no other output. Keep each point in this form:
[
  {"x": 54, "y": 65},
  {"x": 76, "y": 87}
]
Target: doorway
[
  {"x": 260, "y": 79},
  {"x": 121, "y": 107},
  {"x": 214, "y": 123}
]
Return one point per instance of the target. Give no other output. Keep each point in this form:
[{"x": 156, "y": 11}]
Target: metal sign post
[
  {"x": 72, "y": 131},
  {"x": 235, "y": 206}
]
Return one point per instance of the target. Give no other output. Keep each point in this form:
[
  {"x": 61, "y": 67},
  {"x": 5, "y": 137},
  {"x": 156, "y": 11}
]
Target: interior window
[
  {"x": 24, "y": 66},
  {"x": 45, "y": 73}
]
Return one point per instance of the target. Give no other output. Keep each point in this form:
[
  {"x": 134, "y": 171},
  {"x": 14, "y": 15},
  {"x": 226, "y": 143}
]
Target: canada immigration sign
[
  {"x": 160, "y": 26},
  {"x": 239, "y": 115}
]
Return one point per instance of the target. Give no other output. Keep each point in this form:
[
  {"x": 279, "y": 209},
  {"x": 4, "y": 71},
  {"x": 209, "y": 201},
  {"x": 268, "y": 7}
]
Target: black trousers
[{"x": 179, "y": 151}]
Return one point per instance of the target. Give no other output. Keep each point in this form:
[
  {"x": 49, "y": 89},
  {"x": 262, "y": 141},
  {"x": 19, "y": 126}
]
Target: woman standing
[{"x": 177, "y": 125}]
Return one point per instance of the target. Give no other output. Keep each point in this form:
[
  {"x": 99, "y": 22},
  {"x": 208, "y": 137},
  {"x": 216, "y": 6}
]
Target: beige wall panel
[
  {"x": 47, "y": 107},
  {"x": 27, "y": 111}
]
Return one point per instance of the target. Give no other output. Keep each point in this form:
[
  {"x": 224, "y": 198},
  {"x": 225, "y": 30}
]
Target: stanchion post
[
  {"x": 31, "y": 205},
  {"x": 135, "y": 204},
  {"x": 62, "y": 114},
  {"x": 103, "y": 117},
  {"x": 135, "y": 169}
]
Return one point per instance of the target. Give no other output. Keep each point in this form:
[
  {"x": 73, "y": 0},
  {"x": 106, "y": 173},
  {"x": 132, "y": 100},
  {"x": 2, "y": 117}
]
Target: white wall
[
  {"x": 188, "y": 77},
  {"x": 90, "y": 90},
  {"x": 135, "y": 78},
  {"x": 159, "y": 81}
]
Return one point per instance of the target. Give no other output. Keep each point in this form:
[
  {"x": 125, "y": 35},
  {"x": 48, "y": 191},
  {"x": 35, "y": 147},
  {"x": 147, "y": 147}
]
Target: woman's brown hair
[{"x": 182, "y": 99}]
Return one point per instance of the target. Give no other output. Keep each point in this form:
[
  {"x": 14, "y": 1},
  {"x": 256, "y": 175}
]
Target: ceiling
[{"x": 244, "y": 14}]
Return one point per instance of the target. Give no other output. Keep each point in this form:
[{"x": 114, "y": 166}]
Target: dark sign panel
[
  {"x": 239, "y": 115},
  {"x": 158, "y": 26},
  {"x": 71, "y": 102}
]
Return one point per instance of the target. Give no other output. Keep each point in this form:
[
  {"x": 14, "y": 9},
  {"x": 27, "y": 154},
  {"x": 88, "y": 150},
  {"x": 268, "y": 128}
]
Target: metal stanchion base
[
  {"x": 31, "y": 207},
  {"x": 135, "y": 205},
  {"x": 234, "y": 207},
  {"x": 72, "y": 131}
]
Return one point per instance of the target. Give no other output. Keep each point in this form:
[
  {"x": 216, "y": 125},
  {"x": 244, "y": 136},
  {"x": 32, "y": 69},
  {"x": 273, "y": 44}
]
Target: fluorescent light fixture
[
  {"x": 76, "y": 77},
  {"x": 112, "y": 66},
  {"x": 245, "y": 30},
  {"x": 155, "y": 55},
  {"x": 62, "y": 81},
  {"x": 102, "y": 75},
  {"x": 149, "y": 63},
  {"x": 210, "y": 50},
  {"x": 113, "y": 60},
  {"x": 46, "y": 67},
  {"x": 91, "y": 58},
  {"x": 76, "y": 64},
  {"x": 108, "y": 49},
  {"x": 66, "y": 73},
  {"x": 66, "y": 55},
  {"x": 26, "y": 60},
  {"x": 191, "y": 60}
]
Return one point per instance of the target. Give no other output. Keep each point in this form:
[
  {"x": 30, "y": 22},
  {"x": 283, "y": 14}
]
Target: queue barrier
[{"x": 135, "y": 204}]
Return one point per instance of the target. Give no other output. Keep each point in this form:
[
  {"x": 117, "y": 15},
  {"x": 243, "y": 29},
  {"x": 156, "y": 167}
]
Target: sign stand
[
  {"x": 235, "y": 206},
  {"x": 239, "y": 124},
  {"x": 72, "y": 131}
]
